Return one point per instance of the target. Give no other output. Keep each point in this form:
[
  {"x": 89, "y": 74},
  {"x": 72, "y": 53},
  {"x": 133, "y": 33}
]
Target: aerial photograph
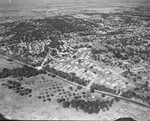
[{"x": 75, "y": 60}]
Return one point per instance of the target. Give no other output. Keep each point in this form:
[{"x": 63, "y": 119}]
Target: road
[
  {"x": 80, "y": 53},
  {"x": 96, "y": 91}
]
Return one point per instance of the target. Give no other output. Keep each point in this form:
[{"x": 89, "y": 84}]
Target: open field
[
  {"x": 8, "y": 64},
  {"x": 42, "y": 104}
]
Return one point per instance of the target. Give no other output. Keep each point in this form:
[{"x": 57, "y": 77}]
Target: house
[
  {"x": 51, "y": 64},
  {"x": 64, "y": 68},
  {"x": 103, "y": 80},
  {"x": 91, "y": 64},
  {"x": 99, "y": 69},
  {"x": 73, "y": 61},
  {"x": 86, "y": 63},
  {"x": 76, "y": 63},
  {"x": 74, "y": 69},
  {"x": 91, "y": 78},
  {"x": 107, "y": 83},
  {"x": 58, "y": 66},
  {"x": 95, "y": 67},
  {"x": 114, "y": 84},
  {"x": 107, "y": 72},
  {"x": 80, "y": 70},
  {"x": 109, "y": 78},
  {"x": 84, "y": 76}
]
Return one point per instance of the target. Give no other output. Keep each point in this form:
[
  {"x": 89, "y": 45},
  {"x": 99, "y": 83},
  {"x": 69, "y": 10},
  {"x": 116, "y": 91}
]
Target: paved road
[
  {"x": 123, "y": 98},
  {"x": 96, "y": 91}
]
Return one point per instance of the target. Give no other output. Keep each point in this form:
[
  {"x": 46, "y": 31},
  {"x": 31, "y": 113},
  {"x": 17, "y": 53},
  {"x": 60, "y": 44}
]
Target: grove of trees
[
  {"x": 17, "y": 87},
  {"x": 24, "y": 71},
  {"x": 89, "y": 107},
  {"x": 102, "y": 88}
]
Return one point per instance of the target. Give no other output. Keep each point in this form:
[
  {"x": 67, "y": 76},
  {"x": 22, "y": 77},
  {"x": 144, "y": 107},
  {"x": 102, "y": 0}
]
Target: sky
[{"x": 30, "y": 4}]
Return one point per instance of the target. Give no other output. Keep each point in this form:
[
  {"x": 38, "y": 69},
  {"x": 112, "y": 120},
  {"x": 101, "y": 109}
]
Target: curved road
[{"x": 80, "y": 53}]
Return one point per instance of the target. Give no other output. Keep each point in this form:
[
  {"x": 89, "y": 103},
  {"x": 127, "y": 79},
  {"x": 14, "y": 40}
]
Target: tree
[
  {"x": 81, "y": 106},
  {"x": 90, "y": 111},
  {"x": 85, "y": 109},
  {"x": 70, "y": 88},
  {"x": 79, "y": 87},
  {"x": 136, "y": 88},
  {"x": 134, "y": 79},
  {"x": 53, "y": 76},
  {"x": 9, "y": 59},
  {"x": 74, "y": 57},
  {"x": 117, "y": 99},
  {"x": 103, "y": 95},
  {"x": 65, "y": 104},
  {"x": 59, "y": 100},
  {"x": 73, "y": 103},
  {"x": 92, "y": 90},
  {"x": 96, "y": 109}
]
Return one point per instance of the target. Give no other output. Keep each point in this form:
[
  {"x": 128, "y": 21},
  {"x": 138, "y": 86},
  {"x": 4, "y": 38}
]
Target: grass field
[{"x": 8, "y": 64}]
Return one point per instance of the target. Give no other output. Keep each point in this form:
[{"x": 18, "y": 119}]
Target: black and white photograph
[{"x": 75, "y": 60}]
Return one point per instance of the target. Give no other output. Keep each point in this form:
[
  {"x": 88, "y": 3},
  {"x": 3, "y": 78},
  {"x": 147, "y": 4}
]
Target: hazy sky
[{"x": 33, "y": 3}]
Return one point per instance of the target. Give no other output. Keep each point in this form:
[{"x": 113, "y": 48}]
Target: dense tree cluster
[
  {"x": 136, "y": 76},
  {"x": 24, "y": 71},
  {"x": 69, "y": 76},
  {"x": 132, "y": 49},
  {"x": 9, "y": 59},
  {"x": 102, "y": 88},
  {"x": 36, "y": 30},
  {"x": 127, "y": 47},
  {"x": 87, "y": 106},
  {"x": 40, "y": 29},
  {"x": 129, "y": 94}
]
